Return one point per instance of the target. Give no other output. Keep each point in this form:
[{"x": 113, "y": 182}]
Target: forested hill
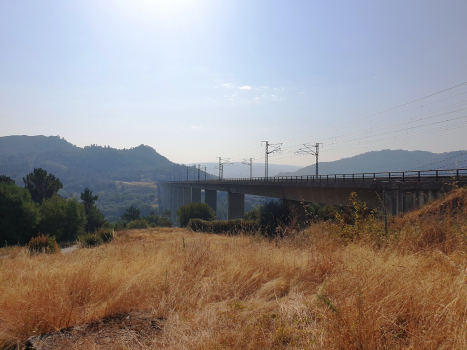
[
  {"x": 387, "y": 160},
  {"x": 76, "y": 166},
  {"x": 102, "y": 169}
]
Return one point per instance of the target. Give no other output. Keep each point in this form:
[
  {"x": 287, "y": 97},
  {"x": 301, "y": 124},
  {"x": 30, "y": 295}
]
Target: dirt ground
[{"x": 134, "y": 330}]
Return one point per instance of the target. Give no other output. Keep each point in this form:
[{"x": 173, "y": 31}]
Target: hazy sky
[{"x": 202, "y": 79}]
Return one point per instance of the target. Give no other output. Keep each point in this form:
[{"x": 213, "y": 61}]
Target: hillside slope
[
  {"x": 77, "y": 167},
  {"x": 102, "y": 169}
]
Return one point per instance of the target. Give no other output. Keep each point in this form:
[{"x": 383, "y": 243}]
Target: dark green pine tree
[
  {"x": 95, "y": 219},
  {"x": 131, "y": 214},
  {"x": 41, "y": 186}
]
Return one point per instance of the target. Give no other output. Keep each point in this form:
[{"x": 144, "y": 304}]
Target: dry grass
[{"x": 312, "y": 291}]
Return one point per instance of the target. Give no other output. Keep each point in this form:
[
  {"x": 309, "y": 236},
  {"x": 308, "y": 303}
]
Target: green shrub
[
  {"x": 119, "y": 226},
  {"x": 231, "y": 227},
  {"x": 107, "y": 234},
  {"x": 273, "y": 215},
  {"x": 43, "y": 244},
  {"x": 321, "y": 212},
  {"x": 90, "y": 240},
  {"x": 164, "y": 222},
  {"x": 157, "y": 221},
  {"x": 253, "y": 214},
  {"x": 194, "y": 211},
  {"x": 137, "y": 224}
]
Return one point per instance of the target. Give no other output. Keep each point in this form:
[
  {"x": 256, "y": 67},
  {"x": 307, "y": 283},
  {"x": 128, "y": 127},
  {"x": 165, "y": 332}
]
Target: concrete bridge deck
[{"x": 397, "y": 191}]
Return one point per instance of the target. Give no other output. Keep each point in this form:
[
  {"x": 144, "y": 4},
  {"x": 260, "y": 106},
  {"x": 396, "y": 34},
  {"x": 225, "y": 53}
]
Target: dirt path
[{"x": 69, "y": 249}]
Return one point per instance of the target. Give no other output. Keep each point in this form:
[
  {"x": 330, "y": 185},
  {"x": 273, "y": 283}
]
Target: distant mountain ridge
[
  {"x": 27, "y": 144},
  {"x": 384, "y": 161},
  {"x": 77, "y": 167}
]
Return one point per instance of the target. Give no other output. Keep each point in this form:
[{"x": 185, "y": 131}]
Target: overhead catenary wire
[
  {"x": 412, "y": 125},
  {"x": 437, "y": 162}
]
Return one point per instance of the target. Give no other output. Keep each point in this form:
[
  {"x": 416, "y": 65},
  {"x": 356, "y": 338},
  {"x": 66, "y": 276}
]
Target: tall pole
[
  {"x": 220, "y": 168},
  {"x": 308, "y": 150},
  {"x": 250, "y": 163},
  {"x": 277, "y": 148},
  {"x": 205, "y": 173},
  {"x": 266, "y": 160},
  {"x": 199, "y": 169},
  {"x": 317, "y": 152}
]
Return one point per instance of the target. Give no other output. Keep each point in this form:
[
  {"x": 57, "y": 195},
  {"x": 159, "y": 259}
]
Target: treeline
[
  {"x": 38, "y": 210},
  {"x": 274, "y": 219},
  {"x": 101, "y": 169},
  {"x": 132, "y": 219}
]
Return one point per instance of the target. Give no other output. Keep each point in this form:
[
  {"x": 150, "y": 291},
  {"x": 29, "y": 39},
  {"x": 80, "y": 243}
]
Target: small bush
[
  {"x": 120, "y": 226},
  {"x": 137, "y": 224},
  {"x": 194, "y": 211},
  {"x": 274, "y": 217},
  {"x": 164, "y": 222},
  {"x": 90, "y": 240},
  {"x": 321, "y": 212},
  {"x": 157, "y": 221},
  {"x": 107, "y": 234},
  {"x": 232, "y": 227},
  {"x": 253, "y": 214},
  {"x": 43, "y": 244}
]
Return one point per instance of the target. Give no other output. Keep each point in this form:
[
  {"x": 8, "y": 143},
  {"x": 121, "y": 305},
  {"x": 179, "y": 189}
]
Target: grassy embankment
[{"x": 326, "y": 288}]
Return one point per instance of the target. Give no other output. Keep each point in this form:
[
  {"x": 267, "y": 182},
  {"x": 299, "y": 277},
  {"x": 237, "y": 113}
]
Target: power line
[
  {"x": 439, "y": 161},
  {"x": 414, "y": 124},
  {"x": 308, "y": 150}
]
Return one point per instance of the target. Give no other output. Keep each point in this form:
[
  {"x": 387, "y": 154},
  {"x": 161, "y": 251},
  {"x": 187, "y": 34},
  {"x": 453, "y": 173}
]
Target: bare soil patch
[{"x": 124, "y": 331}]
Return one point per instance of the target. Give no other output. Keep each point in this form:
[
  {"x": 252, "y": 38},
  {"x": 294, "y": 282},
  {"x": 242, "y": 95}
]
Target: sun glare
[{"x": 160, "y": 10}]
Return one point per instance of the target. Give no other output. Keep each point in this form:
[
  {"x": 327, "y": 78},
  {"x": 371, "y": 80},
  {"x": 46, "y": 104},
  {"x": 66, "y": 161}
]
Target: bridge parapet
[
  {"x": 445, "y": 175},
  {"x": 400, "y": 191}
]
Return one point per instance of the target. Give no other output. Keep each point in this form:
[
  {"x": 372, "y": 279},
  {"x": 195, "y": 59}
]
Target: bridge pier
[
  {"x": 195, "y": 195},
  {"x": 186, "y": 195},
  {"x": 236, "y": 205},
  {"x": 173, "y": 204},
  {"x": 210, "y": 198},
  {"x": 401, "y": 201}
]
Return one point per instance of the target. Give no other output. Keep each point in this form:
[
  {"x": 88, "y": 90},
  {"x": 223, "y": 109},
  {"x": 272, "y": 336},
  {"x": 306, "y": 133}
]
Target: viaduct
[{"x": 395, "y": 191}]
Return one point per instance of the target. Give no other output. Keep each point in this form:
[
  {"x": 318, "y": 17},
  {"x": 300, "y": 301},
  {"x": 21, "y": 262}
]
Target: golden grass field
[{"x": 311, "y": 290}]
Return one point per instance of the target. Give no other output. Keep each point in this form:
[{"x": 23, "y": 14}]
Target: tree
[
  {"x": 131, "y": 214},
  {"x": 88, "y": 199},
  {"x": 41, "y": 186},
  {"x": 194, "y": 211},
  {"x": 6, "y": 179},
  {"x": 62, "y": 218},
  {"x": 95, "y": 219},
  {"x": 19, "y": 215}
]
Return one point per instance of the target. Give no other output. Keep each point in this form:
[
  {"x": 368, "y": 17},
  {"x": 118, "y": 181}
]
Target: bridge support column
[
  {"x": 186, "y": 195},
  {"x": 173, "y": 204},
  {"x": 210, "y": 198},
  {"x": 178, "y": 204},
  {"x": 236, "y": 205},
  {"x": 400, "y": 201},
  {"x": 160, "y": 198},
  {"x": 196, "y": 195}
]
